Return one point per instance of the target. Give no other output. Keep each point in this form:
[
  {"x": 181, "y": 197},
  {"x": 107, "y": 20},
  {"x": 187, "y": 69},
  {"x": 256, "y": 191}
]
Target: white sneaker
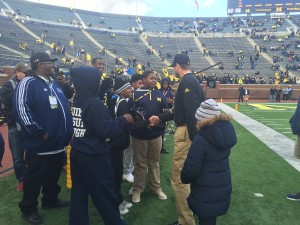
[
  {"x": 129, "y": 177},
  {"x": 126, "y": 204},
  {"x": 123, "y": 209}
]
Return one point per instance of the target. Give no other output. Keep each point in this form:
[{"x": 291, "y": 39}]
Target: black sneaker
[
  {"x": 33, "y": 218},
  {"x": 293, "y": 197},
  {"x": 175, "y": 223},
  {"x": 58, "y": 204}
]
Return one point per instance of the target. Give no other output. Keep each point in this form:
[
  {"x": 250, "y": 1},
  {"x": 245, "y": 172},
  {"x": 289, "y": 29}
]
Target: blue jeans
[{"x": 17, "y": 152}]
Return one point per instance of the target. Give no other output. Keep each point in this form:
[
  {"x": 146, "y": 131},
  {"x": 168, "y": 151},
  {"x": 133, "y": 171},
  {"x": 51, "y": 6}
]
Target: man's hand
[
  {"x": 154, "y": 121},
  {"x": 129, "y": 118}
]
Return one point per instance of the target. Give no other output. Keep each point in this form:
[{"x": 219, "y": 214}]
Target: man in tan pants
[{"x": 188, "y": 98}]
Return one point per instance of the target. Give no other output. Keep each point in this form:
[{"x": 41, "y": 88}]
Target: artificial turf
[{"x": 255, "y": 169}]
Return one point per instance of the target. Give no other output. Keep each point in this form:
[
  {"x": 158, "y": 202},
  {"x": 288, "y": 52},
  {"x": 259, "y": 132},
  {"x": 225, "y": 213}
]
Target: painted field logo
[{"x": 274, "y": 107}]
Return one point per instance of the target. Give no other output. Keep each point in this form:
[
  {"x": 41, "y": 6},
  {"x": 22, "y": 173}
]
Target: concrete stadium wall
[
  {"x": 224, "y": 91},
  {"x": 8, "y": 73},
  {"x": 230, "y": 91}
]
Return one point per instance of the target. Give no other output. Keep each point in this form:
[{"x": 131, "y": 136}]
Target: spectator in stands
[
  {"x": 188, "y": 98},
  {"x": 90, "y": 152},
  {"x": 210, "y": 188},
  {"x": 14, "y": 129},
  {"x": 46, "y": 130},
  {"x": 88, "y": 59},
  {"x": 82, "y": 53}
]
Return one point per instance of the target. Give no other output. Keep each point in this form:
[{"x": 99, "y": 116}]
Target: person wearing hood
[
  {"x": 92, "y": 172},
  {"x": 206, "y": 167}
]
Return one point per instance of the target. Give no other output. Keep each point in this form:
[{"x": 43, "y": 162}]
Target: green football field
[{"x": 260, "y": 179}]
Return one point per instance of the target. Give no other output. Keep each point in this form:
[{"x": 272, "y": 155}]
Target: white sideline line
[
  {"x": 283, "y": 145},
  {"x": 272, "y": 119}
]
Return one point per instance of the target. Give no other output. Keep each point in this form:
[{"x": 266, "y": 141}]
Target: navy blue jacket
[
  {"x": 32, "y": 109},
  {"x": 207, "y": 169},
  {"x": 154, "y": 103},
  {"x": 295, "y": 120},
  {"x": 93, "y": 125}
]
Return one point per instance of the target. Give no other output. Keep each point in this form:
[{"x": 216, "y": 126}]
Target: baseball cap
[
  {"x": 181, "y": 59},
  {"x": 41, "y": 57},
  {"x": 22, "y": 67}
]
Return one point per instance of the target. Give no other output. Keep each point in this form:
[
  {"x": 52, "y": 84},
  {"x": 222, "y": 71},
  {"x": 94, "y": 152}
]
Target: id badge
[{"x": 53, "y": 102}]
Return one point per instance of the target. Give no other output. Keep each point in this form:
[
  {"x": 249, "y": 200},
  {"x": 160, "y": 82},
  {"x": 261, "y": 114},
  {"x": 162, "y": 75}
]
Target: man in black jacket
[
  {"x": 14, "y": 129},
  {"x": 188, "y": 98}
]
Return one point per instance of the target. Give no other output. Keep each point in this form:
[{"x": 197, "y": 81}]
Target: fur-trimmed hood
[{"x": 218, "y": 131}]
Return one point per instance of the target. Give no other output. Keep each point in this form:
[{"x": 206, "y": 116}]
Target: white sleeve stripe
[{"x": 23, "y": 109}]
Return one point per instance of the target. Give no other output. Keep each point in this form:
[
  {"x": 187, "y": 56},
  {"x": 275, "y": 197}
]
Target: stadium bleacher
[{"x": 120, "y": 37}]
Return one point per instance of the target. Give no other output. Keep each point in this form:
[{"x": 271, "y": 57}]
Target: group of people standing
[{"x": 101, "y": 133}]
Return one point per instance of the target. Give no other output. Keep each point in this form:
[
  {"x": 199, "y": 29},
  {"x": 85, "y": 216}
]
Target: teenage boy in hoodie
[
  {"x": 207, "y": 164},
  {"x": 92, "y": 172}
]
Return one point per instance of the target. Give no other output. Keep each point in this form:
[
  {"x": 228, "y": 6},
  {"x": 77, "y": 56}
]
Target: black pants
[
  {"x": 42, "y": 171},
  {"x": 208, "y": 221},
  {"x": 241, "y": 99},
  {"x": 117, "y": 164},
  {"x": 93, "y": 175}
]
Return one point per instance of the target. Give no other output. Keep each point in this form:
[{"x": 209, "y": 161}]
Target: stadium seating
[{"x": 119, "y": 35}]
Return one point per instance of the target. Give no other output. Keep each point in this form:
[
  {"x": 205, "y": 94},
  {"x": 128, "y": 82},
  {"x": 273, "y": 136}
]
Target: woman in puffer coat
[{"x": 207, "y": 164}]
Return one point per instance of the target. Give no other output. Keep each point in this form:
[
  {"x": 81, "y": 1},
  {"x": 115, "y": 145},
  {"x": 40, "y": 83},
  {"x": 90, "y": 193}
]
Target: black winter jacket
[{"x": 207, "y": 168}]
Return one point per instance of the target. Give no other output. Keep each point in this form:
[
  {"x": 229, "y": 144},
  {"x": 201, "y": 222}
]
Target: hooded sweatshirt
[
  {"x": 93, "y": 125},
  {"x": 207, "y": 168}
]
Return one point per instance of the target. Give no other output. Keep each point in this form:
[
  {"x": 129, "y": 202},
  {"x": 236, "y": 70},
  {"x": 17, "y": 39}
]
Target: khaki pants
[
  {"x": 297, "y": 147},
  {"x": 146, "y": 156},
  {"x": 182, "y": 144}
]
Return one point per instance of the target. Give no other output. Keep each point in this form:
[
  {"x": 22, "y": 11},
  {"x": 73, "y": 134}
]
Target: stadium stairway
[
  {"x": 37, "y": 37},
  {"x": 153, "y": 49},
  {"x": 95, "y": 42},
  {"x": 208, "y": 58}
]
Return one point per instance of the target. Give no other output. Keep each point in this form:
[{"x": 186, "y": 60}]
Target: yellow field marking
[{"x": 272, "y": 107}]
